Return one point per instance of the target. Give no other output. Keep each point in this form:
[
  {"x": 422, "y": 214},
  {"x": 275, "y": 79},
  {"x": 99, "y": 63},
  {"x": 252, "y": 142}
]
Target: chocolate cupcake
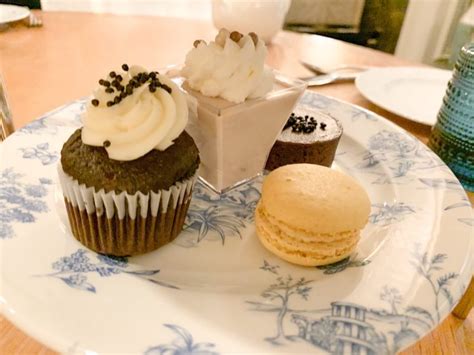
[
  {"x": 127, "y": 175},
  {"x": 308, "y": 137}
]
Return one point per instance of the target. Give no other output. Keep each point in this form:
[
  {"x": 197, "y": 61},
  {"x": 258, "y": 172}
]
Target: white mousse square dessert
[{"x": 240, "y": 106}]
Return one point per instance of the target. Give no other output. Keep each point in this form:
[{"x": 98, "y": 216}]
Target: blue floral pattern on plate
[
  {"x": 38, "y": 126},
  {"x": 20, "y": 202},
  {"x": 386, "y": 214},
  {"x": 72, "y": 270},
  {"x": 40, "y": 152},
  {"x": 350, "y": 261},
  {"x": 183, "y": 344},
  {"x": 216, "y": 217},
  {"x": 402, "y": 154}
]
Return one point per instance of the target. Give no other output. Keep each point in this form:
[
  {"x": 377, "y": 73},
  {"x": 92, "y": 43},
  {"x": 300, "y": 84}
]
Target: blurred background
[{"x": 427, "y": 31}]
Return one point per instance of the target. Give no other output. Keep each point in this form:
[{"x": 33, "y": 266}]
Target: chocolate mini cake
[{"x": 308, "y": 137}]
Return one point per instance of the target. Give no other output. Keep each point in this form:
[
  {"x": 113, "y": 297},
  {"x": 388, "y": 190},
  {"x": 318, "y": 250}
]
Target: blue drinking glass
[{"x": 452, "y": 137}]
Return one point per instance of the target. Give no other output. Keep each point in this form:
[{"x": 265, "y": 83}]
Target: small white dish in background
[
  {"x": 12, "y": 13},
  {"x": 263, "y": 17},
  {"x": 414, "y": 93}
]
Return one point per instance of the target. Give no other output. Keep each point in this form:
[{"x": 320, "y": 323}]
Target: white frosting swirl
[
  {"x": 141, "y": 122},
  {"x": 227, "y": 69}
]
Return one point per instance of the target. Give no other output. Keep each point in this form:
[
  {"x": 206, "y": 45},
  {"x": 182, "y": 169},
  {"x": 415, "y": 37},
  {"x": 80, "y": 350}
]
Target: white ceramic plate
[
  {"x": 11, "y": 13},
  {"x": 413, "y": 93},
  {"x": 216, "y": 289}
]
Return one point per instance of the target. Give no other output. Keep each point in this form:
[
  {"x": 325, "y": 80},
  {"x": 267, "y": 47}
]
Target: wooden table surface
[{"x": 43, "y": 68}]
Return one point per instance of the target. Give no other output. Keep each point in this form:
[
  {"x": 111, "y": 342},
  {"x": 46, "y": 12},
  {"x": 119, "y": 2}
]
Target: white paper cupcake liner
[{"x": 121, "y": 223}]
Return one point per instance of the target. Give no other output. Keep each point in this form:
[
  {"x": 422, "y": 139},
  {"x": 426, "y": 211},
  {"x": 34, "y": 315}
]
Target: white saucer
[
  {"x": 411, "y": 92},
  {"x": 12, "y": 13}
]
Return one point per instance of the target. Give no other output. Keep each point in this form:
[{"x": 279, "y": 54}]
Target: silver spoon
[
  {"x": 330, "y": 78},
  {"x": 317, "y": 70}
]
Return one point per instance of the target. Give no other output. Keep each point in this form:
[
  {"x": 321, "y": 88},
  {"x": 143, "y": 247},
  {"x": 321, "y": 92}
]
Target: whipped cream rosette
[
  {"x": 127, "y": 175},
  {"x": 149, "y": 113},
  {"x": 231, "y": 67}
]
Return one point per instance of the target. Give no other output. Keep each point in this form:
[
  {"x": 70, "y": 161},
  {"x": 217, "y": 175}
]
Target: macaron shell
[
  {"x": 306, "y": 236},
  {"x": 315, "y": 199},
  {"x": 300, "y": 252}
]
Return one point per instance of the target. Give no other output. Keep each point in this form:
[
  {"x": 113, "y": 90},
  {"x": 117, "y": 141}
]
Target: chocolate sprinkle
[
  {"x": 95, "y": 102},
  {"x": 166, "y": 87},
  {"x": 106, "y": 144},
  {"x": 135, "y": 82},
  {"x": 254, "y": 37},
  {"x": 291, "y": 121},
  {"x": 322, "y": 126},
  {"x": 302, "y": 124},
  {"x": 235, "y": 36}
]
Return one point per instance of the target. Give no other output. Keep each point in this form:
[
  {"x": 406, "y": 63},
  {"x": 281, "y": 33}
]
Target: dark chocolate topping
[
  {"x": 300, "y": 124},
  {"x": 308, "y": 126}
]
